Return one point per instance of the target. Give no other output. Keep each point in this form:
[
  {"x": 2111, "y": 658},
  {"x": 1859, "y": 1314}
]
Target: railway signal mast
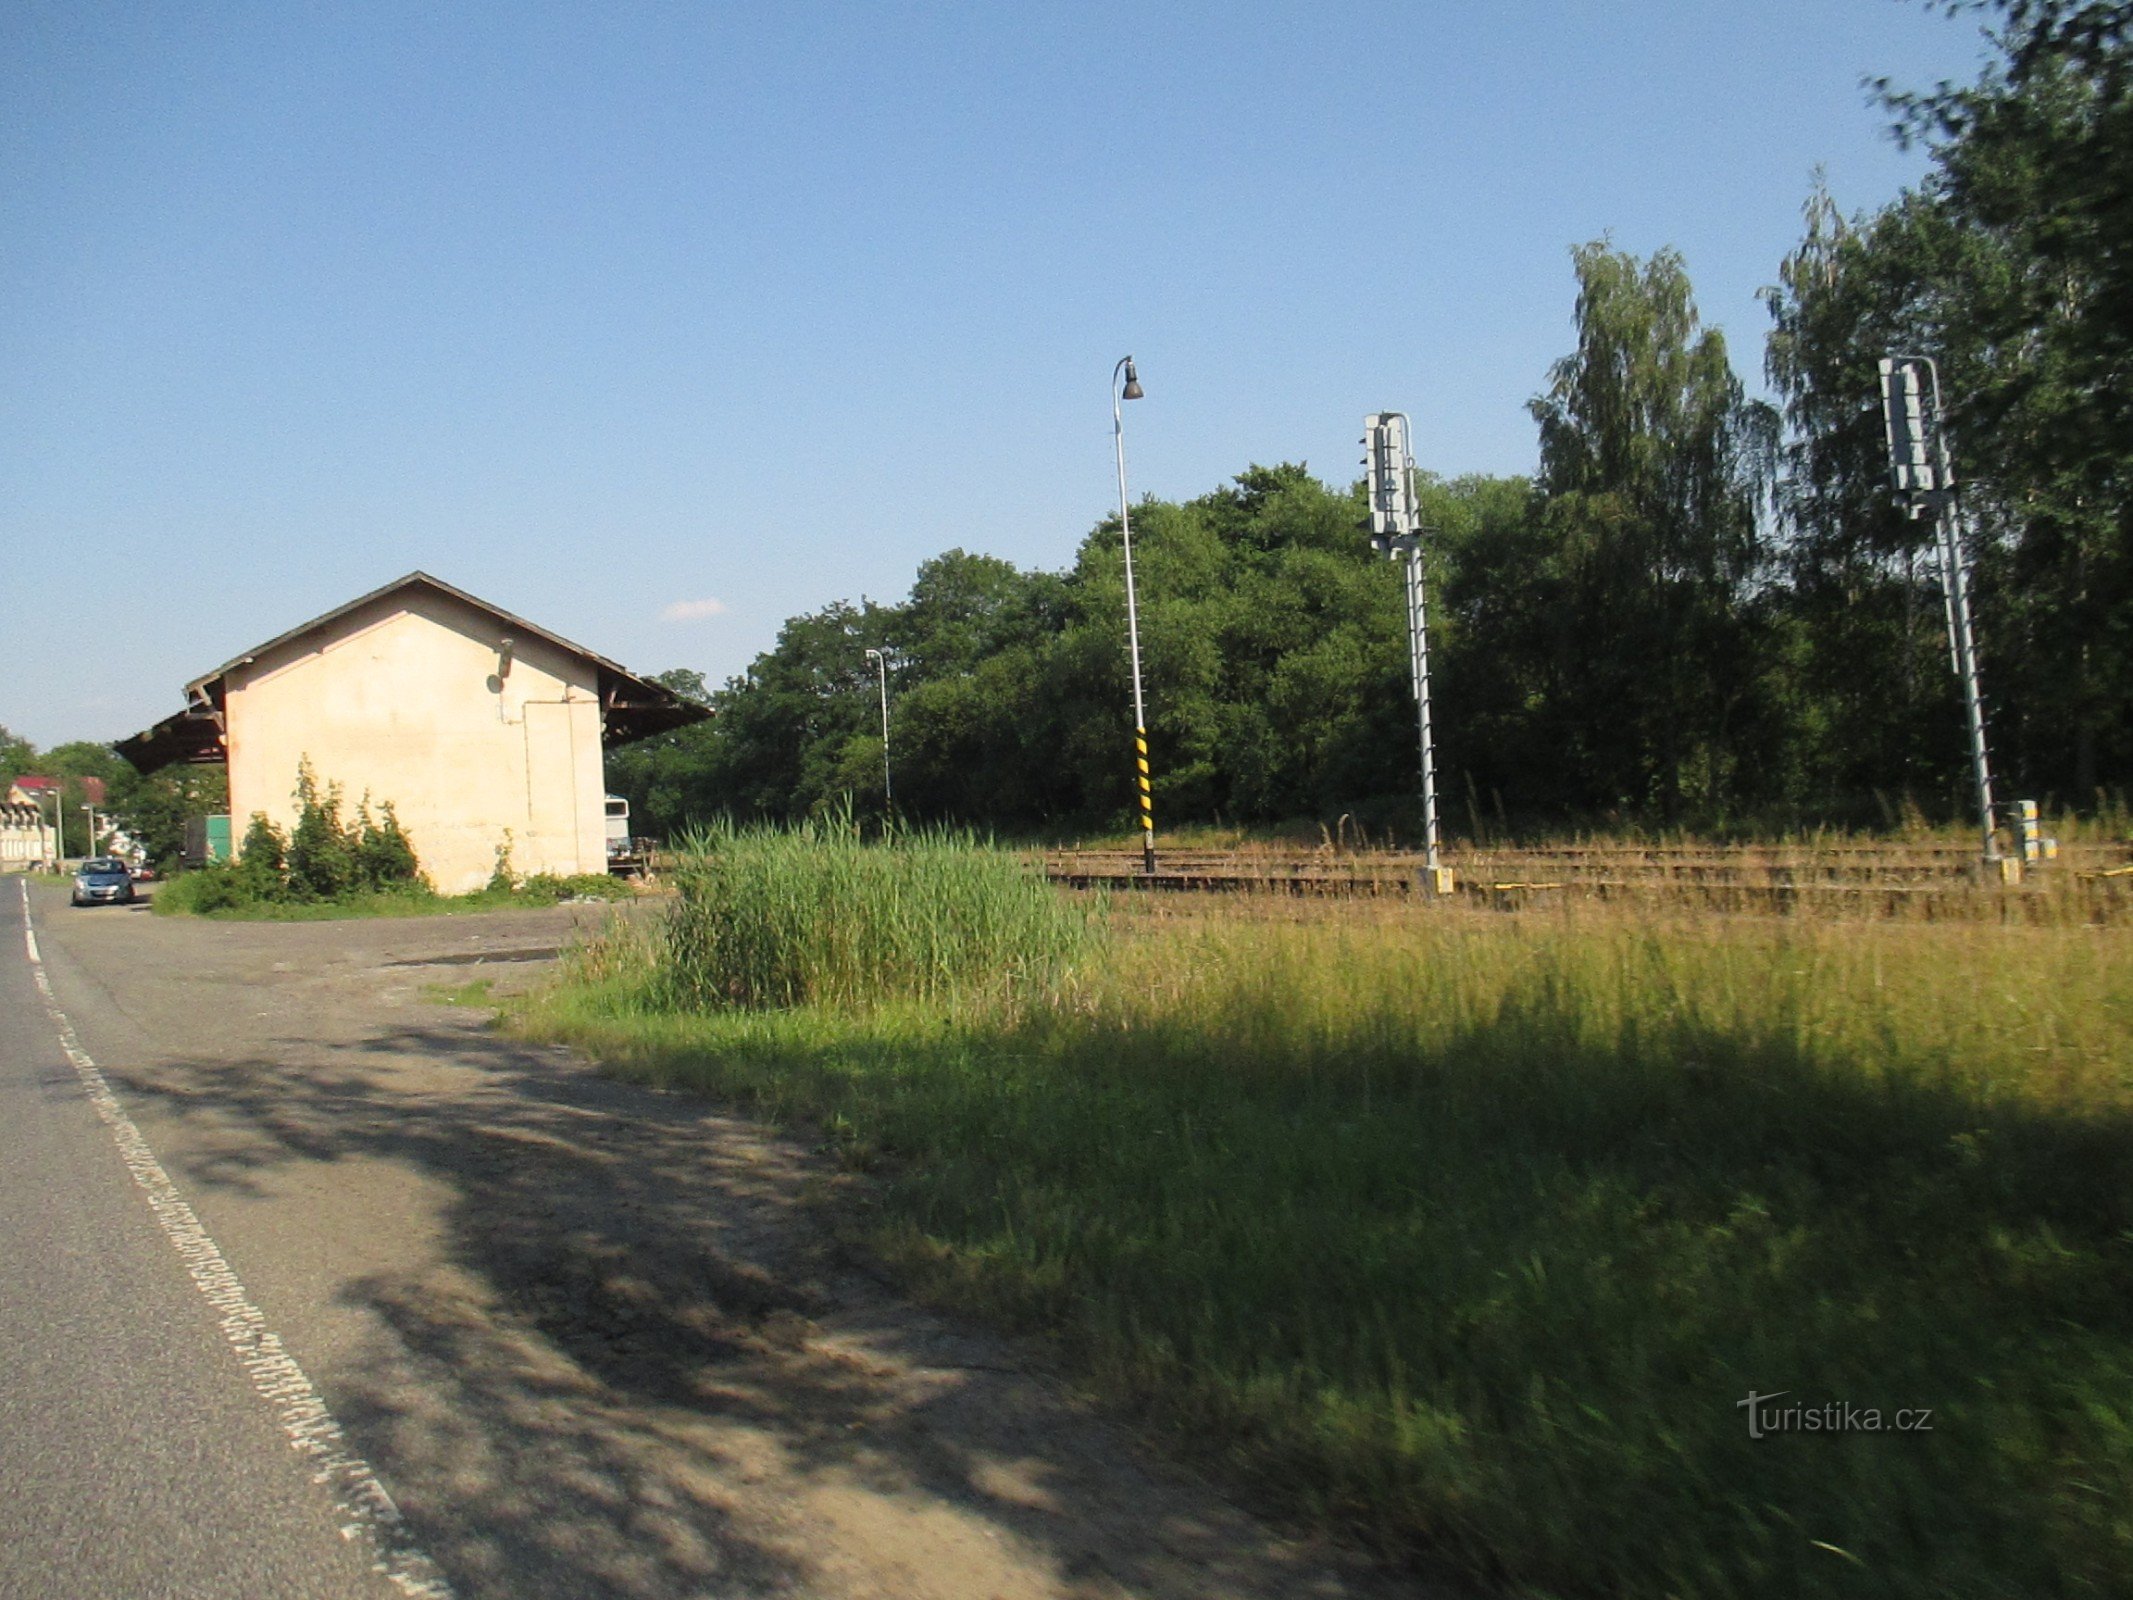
[
  {"x": 1396, "y": 529},
  {"x": 1915, "y": 421}
]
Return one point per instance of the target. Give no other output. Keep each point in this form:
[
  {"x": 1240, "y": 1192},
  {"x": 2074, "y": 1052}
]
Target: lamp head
[{"x": 1133, "y": 382}]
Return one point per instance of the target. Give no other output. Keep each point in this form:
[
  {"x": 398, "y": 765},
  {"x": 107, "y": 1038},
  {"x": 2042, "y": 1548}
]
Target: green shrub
[
  {"x": 322, "y": 856},
  {"x": 781, "y": 917},
  {"x": 384, "y": 858},
  {"x": 220, "y": 886},
  {"x": 255, "y": 878},
  {"x": 322, "y": 862},
  {"x": 504, "y": 878},
  {"x": 264, "y": 850},
  {"x": 549, "y": 889}
]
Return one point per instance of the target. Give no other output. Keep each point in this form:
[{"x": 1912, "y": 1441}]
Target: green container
[{"x": 207, "y": 839}]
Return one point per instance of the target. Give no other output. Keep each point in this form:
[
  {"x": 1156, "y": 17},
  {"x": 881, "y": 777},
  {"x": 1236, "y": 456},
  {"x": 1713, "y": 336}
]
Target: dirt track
[{"x": 590, "y": 1334}]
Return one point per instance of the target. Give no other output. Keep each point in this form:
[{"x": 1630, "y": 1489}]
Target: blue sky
[{"x": 606, "y": 312}]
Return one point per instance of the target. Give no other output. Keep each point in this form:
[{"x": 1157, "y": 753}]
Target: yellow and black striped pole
[
  {"x": 1140, "y": 751},
  {"x": 1133, "y": 391}
]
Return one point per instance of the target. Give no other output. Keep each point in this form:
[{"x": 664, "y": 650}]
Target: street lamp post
[
  {"x": 1132, "y": 391},
  {"x": 59, "y": 827},
  {"x": 888, "y": 794}
]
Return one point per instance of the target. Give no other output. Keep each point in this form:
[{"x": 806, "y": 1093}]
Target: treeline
[{"x": 1702, "y": 610}]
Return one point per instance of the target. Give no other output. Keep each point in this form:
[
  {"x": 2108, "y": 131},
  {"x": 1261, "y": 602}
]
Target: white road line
[{"x": 367, "y": 1511}]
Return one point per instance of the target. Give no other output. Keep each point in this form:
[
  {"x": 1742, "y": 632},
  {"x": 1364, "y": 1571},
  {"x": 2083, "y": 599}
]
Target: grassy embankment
[
  {"x": 1473, "y": 1232},
  {"x": 195, "y": 894}
]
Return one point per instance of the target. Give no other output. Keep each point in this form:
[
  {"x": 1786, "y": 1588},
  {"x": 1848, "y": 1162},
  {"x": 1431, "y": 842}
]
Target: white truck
[{"x": 625, "y": 857}]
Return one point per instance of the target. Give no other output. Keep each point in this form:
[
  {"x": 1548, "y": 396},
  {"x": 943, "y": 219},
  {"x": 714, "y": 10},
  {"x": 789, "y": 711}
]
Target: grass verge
[
  {"x": 1473, "y": 1233},
  {"x": 203, "y": 894}
]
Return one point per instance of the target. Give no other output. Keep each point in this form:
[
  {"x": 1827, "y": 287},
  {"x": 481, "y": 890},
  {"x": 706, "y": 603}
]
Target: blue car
[{"x": 103, "y": 881}]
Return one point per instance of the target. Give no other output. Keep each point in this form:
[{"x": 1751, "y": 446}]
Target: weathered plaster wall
[{"x": 410, "y": 701}]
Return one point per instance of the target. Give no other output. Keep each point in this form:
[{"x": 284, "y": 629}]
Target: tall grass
[
  {"x": 1471, "y": 1233},
  {"x": 817, "y": 914}
]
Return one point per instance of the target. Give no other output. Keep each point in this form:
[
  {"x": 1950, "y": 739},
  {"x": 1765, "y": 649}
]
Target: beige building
[
  {"x": 478, "y": 726},
  {"x": 25, "y": 832}
]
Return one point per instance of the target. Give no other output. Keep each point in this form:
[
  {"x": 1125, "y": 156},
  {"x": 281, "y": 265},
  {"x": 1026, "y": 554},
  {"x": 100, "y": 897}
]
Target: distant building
[
  {"x": 26, "y": 835},
  {"x": 480, "y": 727},
  {"x": 25, "y": 827},
  {"x": 34, "y": 786}
]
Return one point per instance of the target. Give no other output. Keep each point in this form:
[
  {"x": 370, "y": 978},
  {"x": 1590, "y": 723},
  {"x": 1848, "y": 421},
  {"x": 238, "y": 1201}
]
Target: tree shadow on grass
[{"x": 1570, "y": 1256}]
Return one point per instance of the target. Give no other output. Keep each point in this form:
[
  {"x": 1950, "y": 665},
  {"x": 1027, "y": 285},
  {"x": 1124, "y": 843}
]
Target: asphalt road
[
  {"x": 136, "y": 1458},
  {"x": 318, "y": 1285}
]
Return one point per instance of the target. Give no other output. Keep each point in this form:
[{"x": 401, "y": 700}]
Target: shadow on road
[{"x": 633, "y": 1367}]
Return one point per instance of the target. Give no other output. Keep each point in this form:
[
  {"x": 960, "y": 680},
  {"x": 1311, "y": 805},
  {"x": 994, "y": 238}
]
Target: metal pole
[
  {"x": 1396, "y": 517},
  {"x": 1133, "y": 626},
  {"x": 888, "y": 793},
  {"x": 1418, "y": 657},
  {"x": 59, "y": 825},
  {"x": 1925, "y": 478},
  {"x": 1955, "y": 587}
]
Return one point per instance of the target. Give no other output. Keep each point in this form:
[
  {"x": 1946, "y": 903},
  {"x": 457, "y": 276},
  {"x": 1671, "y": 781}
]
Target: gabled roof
[
  {"x": 31, "y": 783},
  {"x": 630, "y": 707}
]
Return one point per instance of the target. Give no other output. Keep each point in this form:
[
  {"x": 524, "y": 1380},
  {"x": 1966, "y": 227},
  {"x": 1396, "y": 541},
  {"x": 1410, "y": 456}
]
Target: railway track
[{"x": 1907, "y": 879}]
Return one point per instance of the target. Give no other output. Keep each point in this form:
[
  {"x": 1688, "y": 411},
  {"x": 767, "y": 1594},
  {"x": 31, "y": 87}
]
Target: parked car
[{"x": 102, "y": 881}]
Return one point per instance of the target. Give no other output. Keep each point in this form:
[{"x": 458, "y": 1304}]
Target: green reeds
[{"x": 818, "y": 914}]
